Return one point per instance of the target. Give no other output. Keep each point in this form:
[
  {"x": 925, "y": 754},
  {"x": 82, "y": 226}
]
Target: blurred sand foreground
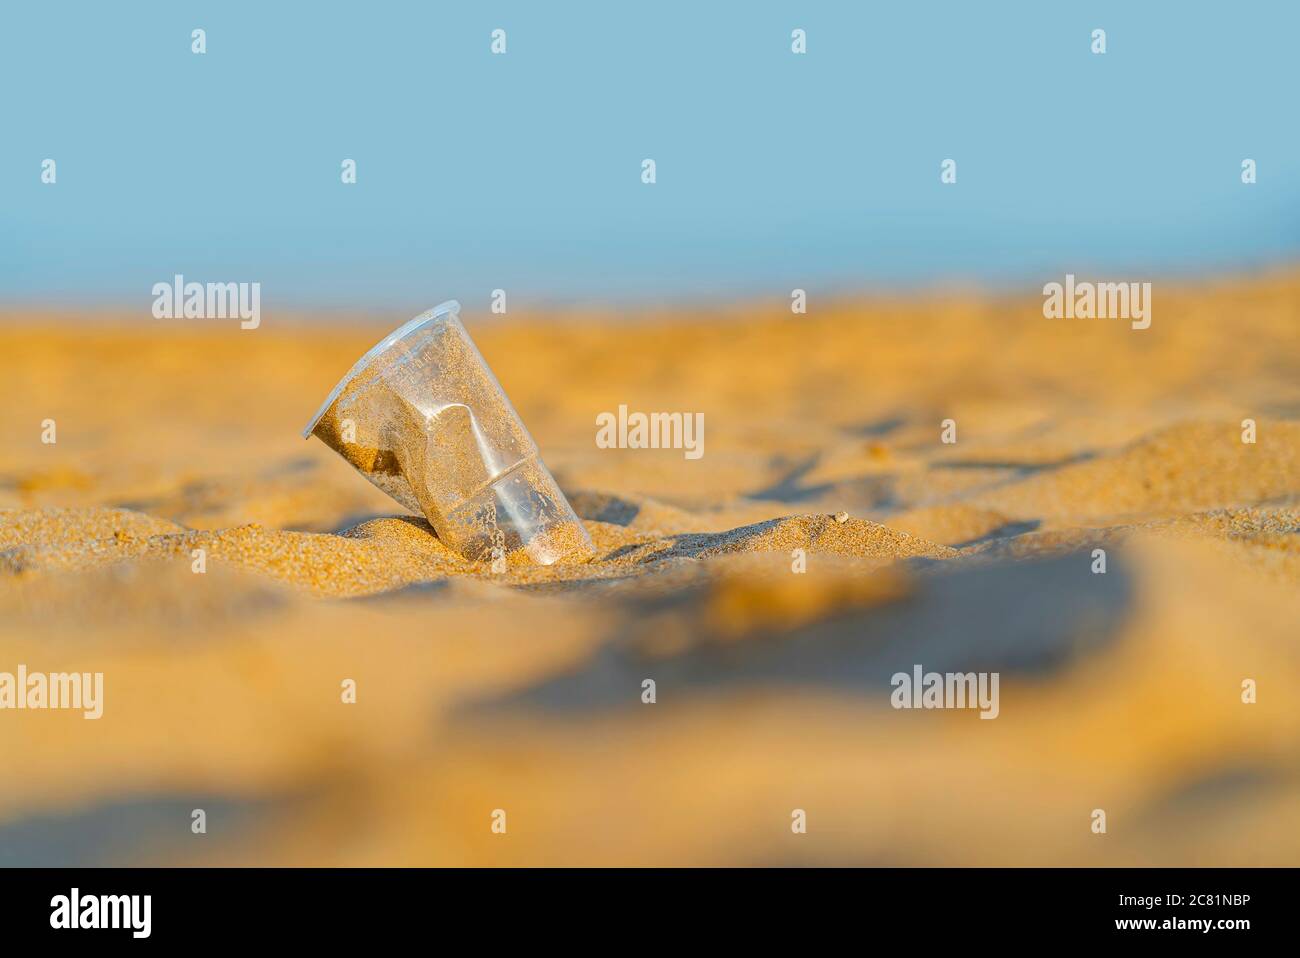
[{"x": 522, "y": 692}]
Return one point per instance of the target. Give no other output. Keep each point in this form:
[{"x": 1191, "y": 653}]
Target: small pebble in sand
[{"x": 841, "y": 516}]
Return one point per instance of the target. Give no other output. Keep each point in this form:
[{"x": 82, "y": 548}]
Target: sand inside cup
[{"x": 423, "y": 418}]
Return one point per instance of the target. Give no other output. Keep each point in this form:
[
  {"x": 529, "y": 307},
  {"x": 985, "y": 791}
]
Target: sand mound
[
  {"x": 955, "y": 524},
  {"x": 1190, "y": 467},
  {"x": 381, "y": 555}
]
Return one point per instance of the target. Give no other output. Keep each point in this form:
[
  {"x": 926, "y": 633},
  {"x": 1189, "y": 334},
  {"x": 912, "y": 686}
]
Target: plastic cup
[{"x": 423, "y": 418}]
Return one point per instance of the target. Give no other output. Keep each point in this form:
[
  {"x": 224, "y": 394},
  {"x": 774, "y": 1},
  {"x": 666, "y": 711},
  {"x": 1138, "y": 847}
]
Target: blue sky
[{"x": 522, "y": 171}]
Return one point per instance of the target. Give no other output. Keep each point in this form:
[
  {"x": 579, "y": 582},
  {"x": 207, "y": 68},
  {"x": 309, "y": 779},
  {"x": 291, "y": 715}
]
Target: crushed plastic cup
[{"x": 423, "y": 418}]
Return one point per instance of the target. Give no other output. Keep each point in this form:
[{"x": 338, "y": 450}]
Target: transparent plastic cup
[{"x": 423, "y": 418}]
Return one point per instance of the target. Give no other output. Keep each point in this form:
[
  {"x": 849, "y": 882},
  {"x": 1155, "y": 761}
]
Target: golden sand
[{"x": 178, "y": 443}]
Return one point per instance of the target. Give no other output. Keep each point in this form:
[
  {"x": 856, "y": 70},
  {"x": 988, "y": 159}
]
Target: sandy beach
[{"x": 523, "y": 691}]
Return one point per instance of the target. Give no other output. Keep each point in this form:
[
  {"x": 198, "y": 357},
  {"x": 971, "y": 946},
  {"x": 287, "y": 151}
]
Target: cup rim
[{"x": 449, "y": 308}]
